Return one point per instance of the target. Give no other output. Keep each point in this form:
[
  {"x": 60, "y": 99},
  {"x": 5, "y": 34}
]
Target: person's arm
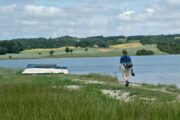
[
  {"x": 130, "y": 60},
  {"x": 120, "y": 63},
  {"x": 121, "y": 60}
]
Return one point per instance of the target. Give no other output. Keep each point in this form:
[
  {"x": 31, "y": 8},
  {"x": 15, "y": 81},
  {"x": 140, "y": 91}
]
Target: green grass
[
  {"x": 32, "y": 97},
  {"x": 80, "y": 52}
]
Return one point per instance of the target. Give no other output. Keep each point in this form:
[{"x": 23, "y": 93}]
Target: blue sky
[{"x": 82, "y": 18}]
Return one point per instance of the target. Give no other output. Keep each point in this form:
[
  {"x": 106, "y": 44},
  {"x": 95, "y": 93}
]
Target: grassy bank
[
  {"x": 73, "y": 97},
  {"x": 114, "y": 50}
]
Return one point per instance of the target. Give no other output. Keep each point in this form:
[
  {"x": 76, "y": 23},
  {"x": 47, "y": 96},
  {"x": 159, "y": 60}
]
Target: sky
[{"x": 83, "y": 18}]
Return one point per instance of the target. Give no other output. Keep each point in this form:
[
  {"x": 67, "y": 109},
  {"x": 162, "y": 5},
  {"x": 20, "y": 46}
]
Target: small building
[
  {"x": 45, "y": 69},
  {"x": 95, "y": 46}
]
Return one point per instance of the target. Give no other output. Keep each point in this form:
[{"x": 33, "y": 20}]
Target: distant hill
[
  {"x": 166, "y": 43},
  {"x": 100, "y": 41}
]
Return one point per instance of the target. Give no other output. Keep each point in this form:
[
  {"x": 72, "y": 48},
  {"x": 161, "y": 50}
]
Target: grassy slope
[
  {"x": 44, "y": 97},
  {"x": 114, "y": 50}
]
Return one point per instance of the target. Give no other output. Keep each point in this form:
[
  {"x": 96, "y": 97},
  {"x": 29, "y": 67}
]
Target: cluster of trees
[
  {"x": 68, "y": 50},
  {"x": 169, "y": 46},
  {"x": 31, "y": 43},
  {"x": 144, "y": 52},
  {"x": 151, "y": 39},
  {"x": 10, "y": 47},
  {"x": 99, "y": 41},
  {"x": 165, "y": 43}
]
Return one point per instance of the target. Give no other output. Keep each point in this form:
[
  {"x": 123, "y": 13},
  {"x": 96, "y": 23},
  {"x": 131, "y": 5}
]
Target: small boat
[{"x": 45, "y": 69}]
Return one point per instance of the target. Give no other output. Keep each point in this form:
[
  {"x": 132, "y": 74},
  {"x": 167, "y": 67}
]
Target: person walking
[{"x": 126, "y": 67}]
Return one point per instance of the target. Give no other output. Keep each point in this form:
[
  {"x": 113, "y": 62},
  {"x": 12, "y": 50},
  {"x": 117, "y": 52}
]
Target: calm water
[{"x": 148, "y": 69}]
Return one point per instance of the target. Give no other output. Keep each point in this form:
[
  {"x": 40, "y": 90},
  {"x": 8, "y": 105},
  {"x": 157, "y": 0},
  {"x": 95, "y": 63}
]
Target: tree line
[
  {"x": 166, "y": 43},
  {"x": 169, "y": 46},
  {"x": 10, "y": 47},
  {"x": 98, "y": 41}
]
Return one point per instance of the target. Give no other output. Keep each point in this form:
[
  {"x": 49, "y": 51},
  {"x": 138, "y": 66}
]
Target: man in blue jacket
[{"x": 126, "y": 67}]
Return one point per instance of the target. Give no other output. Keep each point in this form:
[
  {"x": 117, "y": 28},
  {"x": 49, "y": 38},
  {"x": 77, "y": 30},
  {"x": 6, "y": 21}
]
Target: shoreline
[
  {"x": 156, "y": 85},
  {"x": 79, "y": 56}
]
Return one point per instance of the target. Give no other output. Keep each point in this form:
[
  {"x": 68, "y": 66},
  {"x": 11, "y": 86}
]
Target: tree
[
  {"x": 71, "y": 51},
  {"x": 67, "y": 50},
  {"x": 51, "y": 52},
  {"x": 3, "y": 51},
  {"x": 86, "y": 49}
]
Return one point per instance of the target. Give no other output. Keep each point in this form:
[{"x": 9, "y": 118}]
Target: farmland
[{"x": 113, "y": 50}]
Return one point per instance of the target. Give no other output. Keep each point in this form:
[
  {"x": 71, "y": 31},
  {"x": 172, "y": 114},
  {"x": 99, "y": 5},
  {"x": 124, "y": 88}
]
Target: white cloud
[
  {"x": 27, "y": 22},
  {"x": 43, "y": 10},
  {"x": 175, "y": 2},
  {"x": 135, "y": 17},
  {"x": 150, "y": 11},
  {"x": 127, "y": 15},
  {"x": 8, "y": 8}
]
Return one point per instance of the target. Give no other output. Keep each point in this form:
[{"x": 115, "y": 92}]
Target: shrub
[
  {"x": 71, "y": 51},
  {"x": 144, "y": 52}
]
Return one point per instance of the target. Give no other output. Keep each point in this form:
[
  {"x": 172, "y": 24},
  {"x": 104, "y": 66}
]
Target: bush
[
  {"x": 144, "y": 52},
  {"x": 86, "y": 49},
  {"x": 71, "y": 51}
]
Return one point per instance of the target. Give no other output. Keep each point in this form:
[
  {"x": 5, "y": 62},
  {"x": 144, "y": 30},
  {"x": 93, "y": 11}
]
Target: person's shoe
[
  {"x": 127, "y": 83},
  {"x": 132, "y": 74}
]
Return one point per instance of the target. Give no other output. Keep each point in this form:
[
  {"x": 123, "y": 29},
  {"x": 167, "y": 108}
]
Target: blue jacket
[{"x": 125, "y": 59}]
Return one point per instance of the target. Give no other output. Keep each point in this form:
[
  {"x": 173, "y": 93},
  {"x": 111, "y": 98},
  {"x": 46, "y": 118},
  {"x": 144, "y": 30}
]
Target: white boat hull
[{"x": 44, "y": 71}]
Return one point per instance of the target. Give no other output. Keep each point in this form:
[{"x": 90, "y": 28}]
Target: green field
[
  {"x": 114, "y": 50},
  {"x": 54, "y": 97}
]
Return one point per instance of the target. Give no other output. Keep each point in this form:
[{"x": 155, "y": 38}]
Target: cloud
[
  {"x": 127, "y": 15},
  {"x": 27, "y": 22},
  {"x": 150, "y": 11},
  {"x": 135, "y": 17},
  {"x": 43, "y": 10},
  {"x": 46, "y": 18},
  {"x": 8, "y": 8},
  {"x": 174, "y": 2},
  {"x": 7, "y": 2}
]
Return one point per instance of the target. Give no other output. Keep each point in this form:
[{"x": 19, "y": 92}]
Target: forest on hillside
[{"x": 166, "y": 43}]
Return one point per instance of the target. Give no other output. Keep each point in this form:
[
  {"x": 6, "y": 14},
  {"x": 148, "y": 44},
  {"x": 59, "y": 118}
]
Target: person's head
[{"x": 124, "y": 52}]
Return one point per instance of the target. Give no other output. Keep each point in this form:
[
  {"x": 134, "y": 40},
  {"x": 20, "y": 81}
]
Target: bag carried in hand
[{"x": 128, "y": 65}]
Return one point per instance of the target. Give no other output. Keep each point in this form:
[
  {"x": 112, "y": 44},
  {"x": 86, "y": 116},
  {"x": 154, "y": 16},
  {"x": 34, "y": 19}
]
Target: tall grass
[{"x": 33, "y": 98}]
